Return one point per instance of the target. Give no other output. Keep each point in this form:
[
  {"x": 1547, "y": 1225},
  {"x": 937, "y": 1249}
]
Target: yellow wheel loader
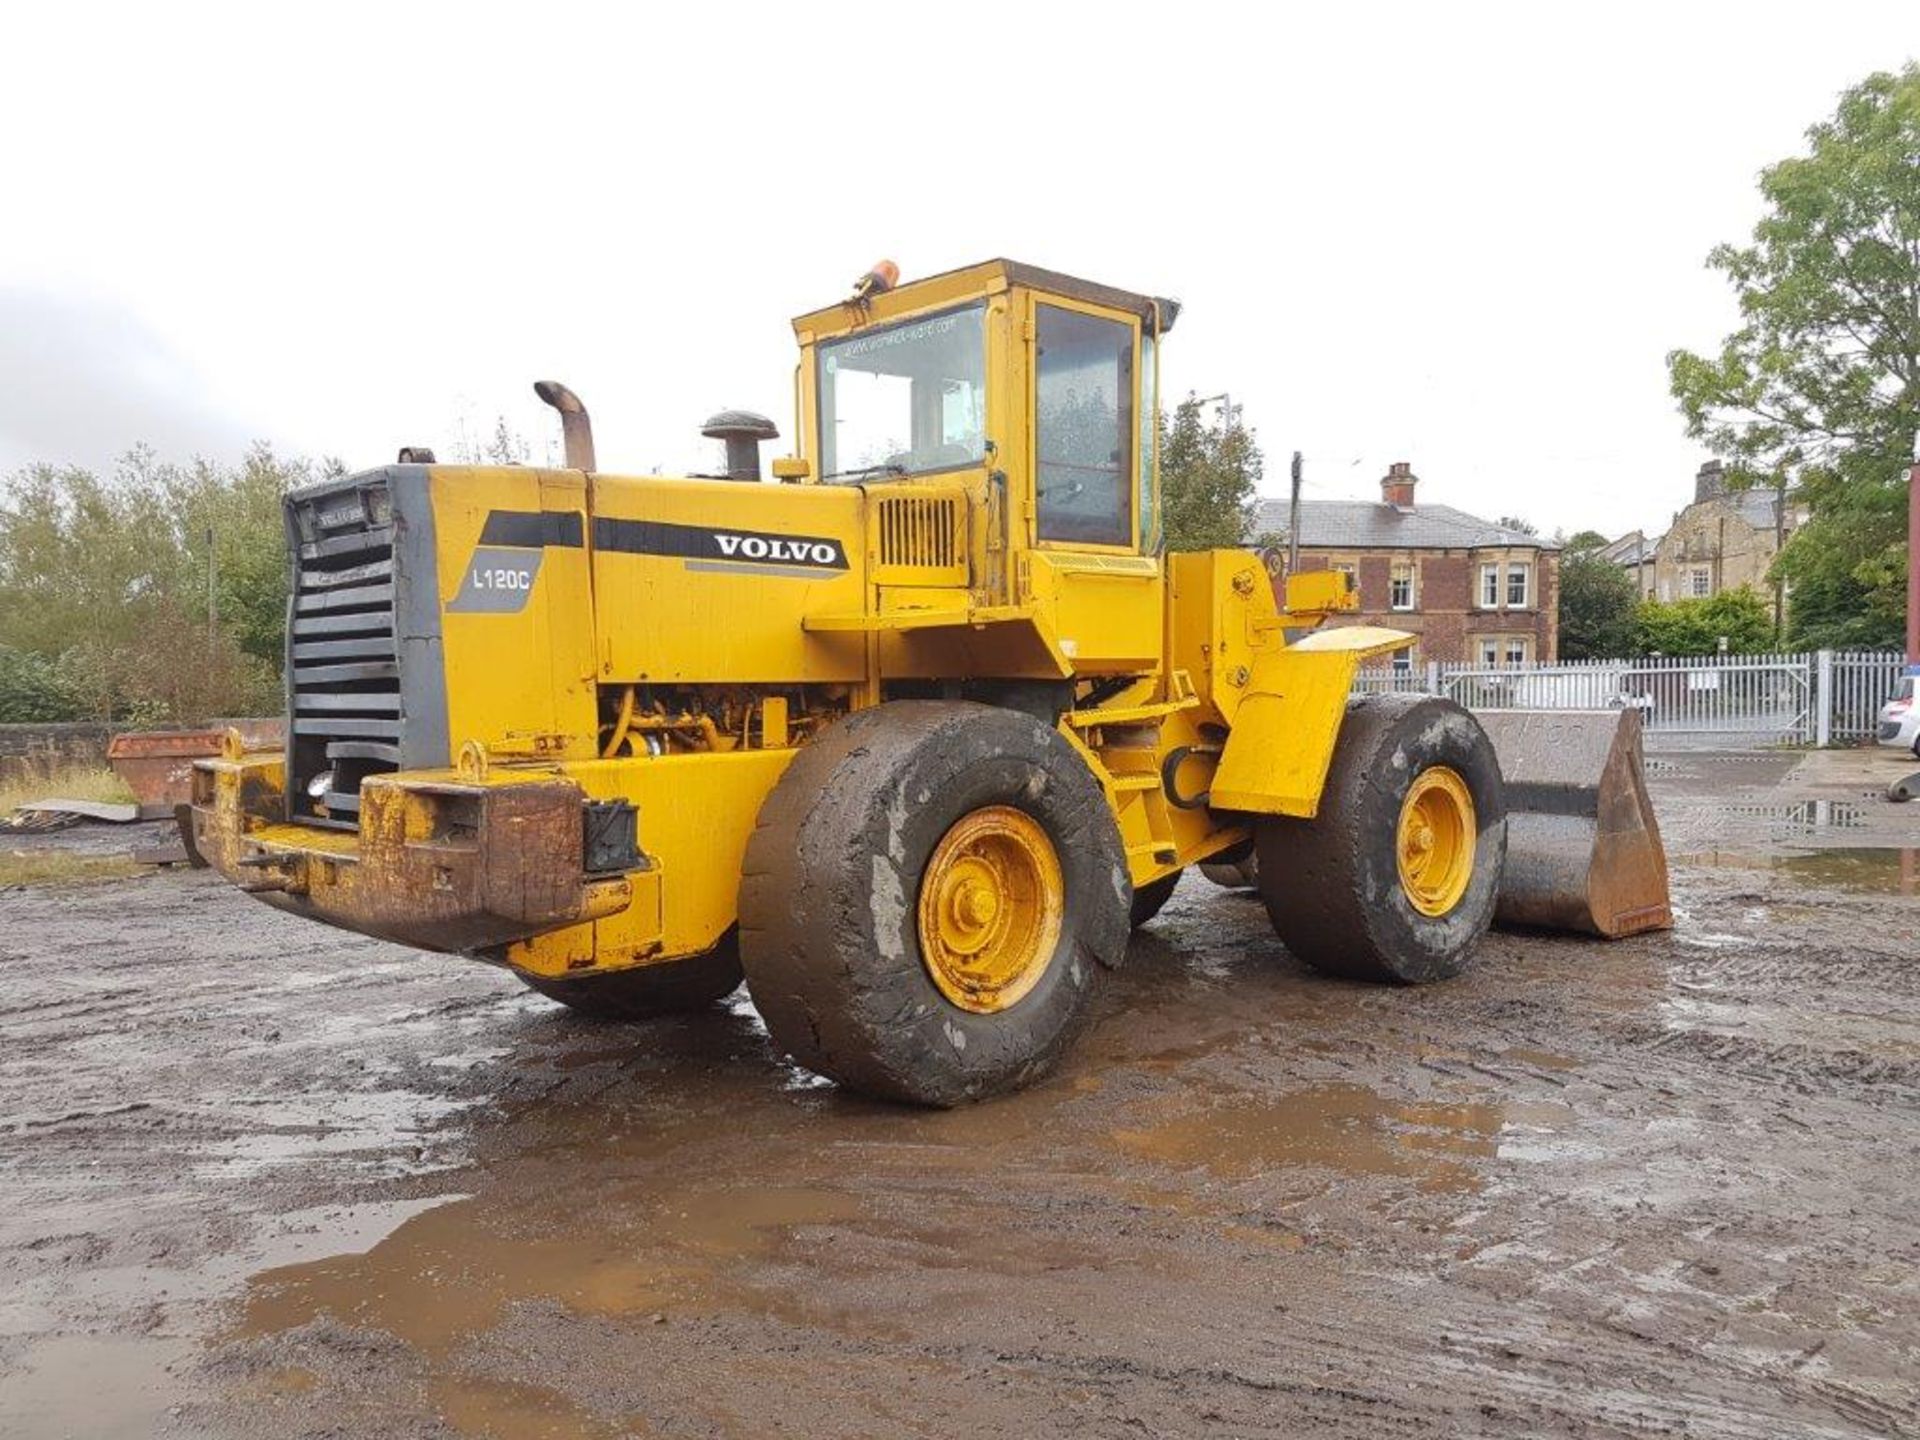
[{"x": 909, "y": 736}]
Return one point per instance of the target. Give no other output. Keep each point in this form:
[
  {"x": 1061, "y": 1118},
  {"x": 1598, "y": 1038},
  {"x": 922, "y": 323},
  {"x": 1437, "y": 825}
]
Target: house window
[
  {"x": 1517, "y": 581},
  {"x": 1700, "y": 582},
  {"x": 1400, "y": 588},
  {"x": 1518, "y": 648},
  {"x": 1490, "y": 587},
  {"x": 1403, "y": 661},
  {"x": 1489, "y": 652}
]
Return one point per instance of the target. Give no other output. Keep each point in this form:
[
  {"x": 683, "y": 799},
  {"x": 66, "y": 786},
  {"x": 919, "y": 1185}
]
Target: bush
[
  {"x": 1696, "y": 627},
  {"x": 33, "y": 692}
]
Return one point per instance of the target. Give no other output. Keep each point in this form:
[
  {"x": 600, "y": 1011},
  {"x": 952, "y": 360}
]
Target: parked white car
[
  {"x": 1581, "y": 689},
  {"x": 1900, "y": 716}
]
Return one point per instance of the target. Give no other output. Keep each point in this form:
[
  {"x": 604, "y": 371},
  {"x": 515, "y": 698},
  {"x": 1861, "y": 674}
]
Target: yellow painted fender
[{"x": 1276, "y": 757}]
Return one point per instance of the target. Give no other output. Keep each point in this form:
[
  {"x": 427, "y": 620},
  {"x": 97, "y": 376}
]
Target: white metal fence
[
  {"x": 1859, "y": 682},
  {"x": 1809, "y": 698}
]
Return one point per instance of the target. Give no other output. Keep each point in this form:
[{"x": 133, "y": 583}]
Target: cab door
[{"x": 1087, "y": 558}]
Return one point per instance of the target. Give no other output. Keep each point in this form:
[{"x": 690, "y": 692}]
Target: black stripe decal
[
  {"x": 736, "y": 547},
  {"x": 532, "y": 529}
]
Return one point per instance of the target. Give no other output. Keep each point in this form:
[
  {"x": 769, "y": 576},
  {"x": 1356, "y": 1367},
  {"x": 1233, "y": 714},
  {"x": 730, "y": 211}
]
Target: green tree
[
  {"x": 1516, "y": 523},
  {"x": 241, "y": 510},
  {"x": 1209, "y": 475},
  {"x": 1582, "y": 540},
  {"x": 1819, "y": 387},
  {"x": 104, "y": 584},
  {"x": 1847, "y": 569},
  {"x": 1598, "y": 601},
  {"x": 1696, "y": 627}
]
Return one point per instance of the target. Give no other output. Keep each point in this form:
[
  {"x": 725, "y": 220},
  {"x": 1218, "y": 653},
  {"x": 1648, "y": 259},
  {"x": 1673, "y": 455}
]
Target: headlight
[{"x": 320, "y": 784}]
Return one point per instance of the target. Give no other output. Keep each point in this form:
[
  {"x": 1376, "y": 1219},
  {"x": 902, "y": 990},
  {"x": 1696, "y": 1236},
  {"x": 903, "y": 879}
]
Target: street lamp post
[{"x": 1229, "y": 413}]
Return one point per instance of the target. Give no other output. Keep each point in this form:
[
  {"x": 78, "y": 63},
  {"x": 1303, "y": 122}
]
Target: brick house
[{"x": 1471, "y": 590}]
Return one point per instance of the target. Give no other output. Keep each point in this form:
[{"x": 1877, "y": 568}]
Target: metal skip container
[
  {"x": 1583, "y": 846},
  {"x": 157, "y": 765}
]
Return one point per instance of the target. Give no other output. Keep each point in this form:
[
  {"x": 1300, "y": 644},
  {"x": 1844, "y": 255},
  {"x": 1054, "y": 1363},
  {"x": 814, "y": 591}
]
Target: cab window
[
  {"x": 1083, "y": 415},
  {"x": 904, "y": 399}
]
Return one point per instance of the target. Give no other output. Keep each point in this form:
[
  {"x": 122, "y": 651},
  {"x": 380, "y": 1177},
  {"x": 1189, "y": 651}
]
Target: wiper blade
[{"x": 889, "y": 468}]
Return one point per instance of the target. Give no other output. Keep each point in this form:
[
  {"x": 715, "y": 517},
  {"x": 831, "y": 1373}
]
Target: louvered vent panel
[
  {"x": 921, "y": 539},
  {"x": 343, "y": 673}
]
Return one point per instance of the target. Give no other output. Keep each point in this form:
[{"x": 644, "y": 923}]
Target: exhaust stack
[{"x": 576, "y": 426}]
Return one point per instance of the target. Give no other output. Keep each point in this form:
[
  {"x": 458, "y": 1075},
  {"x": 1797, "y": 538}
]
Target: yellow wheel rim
[
  {"x": 990, "y": 909},
  {"x": 1436, "y": 840}
]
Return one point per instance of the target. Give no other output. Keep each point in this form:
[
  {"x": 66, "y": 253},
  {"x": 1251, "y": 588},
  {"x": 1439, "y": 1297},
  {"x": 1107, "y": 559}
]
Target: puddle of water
[
  {"x": 107, "y": 1386},
  {"x": 100, "y": 1387},
  {"x": 384, "y": 1133},
  {"x": 1888, "y": 1033},
  {"x": 1345, "y": 1128},
  {"x": 511, "y": 1410},
  {"x": 330, "y": 1230},
  {"x": 1800, "y": 814},
  {"x": 1712, "y": 940},
  {"x": 451, "y": 1271},
  {"x": 1874, "y": 870},
  {"x": 740, "y": 1006}
]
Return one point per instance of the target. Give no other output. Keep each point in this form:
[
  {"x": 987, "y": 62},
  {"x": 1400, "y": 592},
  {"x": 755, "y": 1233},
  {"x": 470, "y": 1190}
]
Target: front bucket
[{"x": 1583, "y": 847}]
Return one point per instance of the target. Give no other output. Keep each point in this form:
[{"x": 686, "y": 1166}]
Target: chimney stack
[
  {"x": 1396, "y": 486},
  {"x": 1710, "y": 482}
]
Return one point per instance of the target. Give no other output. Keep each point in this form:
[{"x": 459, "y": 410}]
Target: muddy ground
[{"x": 261, "y": 1178}]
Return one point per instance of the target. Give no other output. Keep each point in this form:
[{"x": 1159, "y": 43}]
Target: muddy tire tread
[
  {"x": 1330, "y": 883},
  {"x": 831, "y": 879}
]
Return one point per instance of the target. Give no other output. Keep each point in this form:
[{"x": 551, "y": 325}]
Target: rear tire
[
  {"x": 671, "y": 987},
  {"x": 833, "y": 908},
  {"x": 1233, "y": 869},
  {"x": 1334, "y": 885},
  {"x": 1150, "y": 897}
]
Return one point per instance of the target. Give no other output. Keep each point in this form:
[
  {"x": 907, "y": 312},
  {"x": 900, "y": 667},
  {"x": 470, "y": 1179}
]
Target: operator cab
[{"x": 1047, "y": 383}]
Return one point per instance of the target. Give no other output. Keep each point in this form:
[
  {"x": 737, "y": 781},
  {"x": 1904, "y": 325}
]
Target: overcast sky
[{"x": 1460, "y": 235}]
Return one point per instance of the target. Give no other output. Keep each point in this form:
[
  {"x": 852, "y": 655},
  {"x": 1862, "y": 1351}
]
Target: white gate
[
  {"x": 1860, "y": 682},
  {"x": 1720, "y": 699},
  {"x": 1813, "y": 698}
]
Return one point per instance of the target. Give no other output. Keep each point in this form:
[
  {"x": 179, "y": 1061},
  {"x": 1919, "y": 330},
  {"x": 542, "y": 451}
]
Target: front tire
[
  {"x": 930, "y": 897},
  {"x": 1397, "y": 876}
]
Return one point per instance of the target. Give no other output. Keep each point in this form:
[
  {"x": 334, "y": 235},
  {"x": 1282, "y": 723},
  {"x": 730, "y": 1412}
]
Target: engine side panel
[
  {"x": 708, "y": 581},
  {"x": 516, "y": 609}
]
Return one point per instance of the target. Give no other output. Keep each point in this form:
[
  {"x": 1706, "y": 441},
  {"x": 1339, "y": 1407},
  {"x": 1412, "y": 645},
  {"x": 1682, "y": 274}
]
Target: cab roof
[{"x": 955, "y": 285}]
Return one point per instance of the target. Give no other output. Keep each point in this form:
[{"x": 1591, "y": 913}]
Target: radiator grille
[
  {"x": 343, "y": 673},
  {"x": 922, "y": 533}
]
